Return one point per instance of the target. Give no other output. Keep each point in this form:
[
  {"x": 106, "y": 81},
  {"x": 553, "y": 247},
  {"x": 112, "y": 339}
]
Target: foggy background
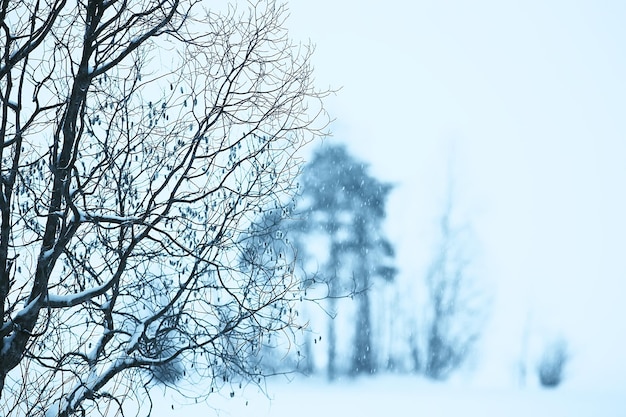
[
  {"x": 520, "y": 106},
  {"x": 454, "y": 246}
]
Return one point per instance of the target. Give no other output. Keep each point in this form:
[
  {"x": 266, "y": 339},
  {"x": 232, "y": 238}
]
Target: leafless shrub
[
  {"x": 552, "y": 364},
  {"x": 457, "y": 306}
]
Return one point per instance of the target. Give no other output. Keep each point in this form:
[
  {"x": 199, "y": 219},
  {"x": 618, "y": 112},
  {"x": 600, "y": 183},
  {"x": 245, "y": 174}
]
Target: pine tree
[{"x": 348, "y": 205}]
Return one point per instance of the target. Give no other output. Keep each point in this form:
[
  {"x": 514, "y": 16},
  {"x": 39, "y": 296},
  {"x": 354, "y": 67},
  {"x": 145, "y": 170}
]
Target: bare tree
[
  {"x": 456, "y": 304},
  {"x": 138, "y": 140}
]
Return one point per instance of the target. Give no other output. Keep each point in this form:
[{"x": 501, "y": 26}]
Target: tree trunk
[{"x": 362, "y": 359}]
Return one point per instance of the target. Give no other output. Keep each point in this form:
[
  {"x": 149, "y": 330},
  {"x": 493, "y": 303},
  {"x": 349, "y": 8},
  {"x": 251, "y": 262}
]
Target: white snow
[
  {"x": 47, "y": 254},
  {"x": 134, "y": 340},
  {"x": 7, "y": 343},
  {"x": 82, "y": 216},
  {"x": 69, "y": 299},
  {"x": 27, "y": 308},
  {"x": 396, "y": 396},
  {"x": 8, "y": 340},
  {"x": 92, "y": 379}
]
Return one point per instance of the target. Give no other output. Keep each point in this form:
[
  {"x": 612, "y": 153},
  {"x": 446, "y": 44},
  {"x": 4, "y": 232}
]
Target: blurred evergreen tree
[{"x": 342, "y": 201}]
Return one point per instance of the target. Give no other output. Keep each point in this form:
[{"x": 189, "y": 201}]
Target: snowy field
[{"x": 400, "y": 396}]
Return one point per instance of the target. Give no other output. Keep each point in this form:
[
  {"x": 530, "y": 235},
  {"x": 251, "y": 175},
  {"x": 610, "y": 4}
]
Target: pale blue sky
[{"x": 528, "y": 99}]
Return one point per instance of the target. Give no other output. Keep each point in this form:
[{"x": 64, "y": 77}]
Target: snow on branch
[{"x": 70, "y": 300}]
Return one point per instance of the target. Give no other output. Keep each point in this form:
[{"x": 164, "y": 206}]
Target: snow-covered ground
[{"x": 399, "y": 396}]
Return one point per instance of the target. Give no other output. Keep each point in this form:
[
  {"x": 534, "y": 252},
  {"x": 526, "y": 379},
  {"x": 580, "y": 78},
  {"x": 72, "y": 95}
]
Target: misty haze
[{"x": 326, "y": 208}]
